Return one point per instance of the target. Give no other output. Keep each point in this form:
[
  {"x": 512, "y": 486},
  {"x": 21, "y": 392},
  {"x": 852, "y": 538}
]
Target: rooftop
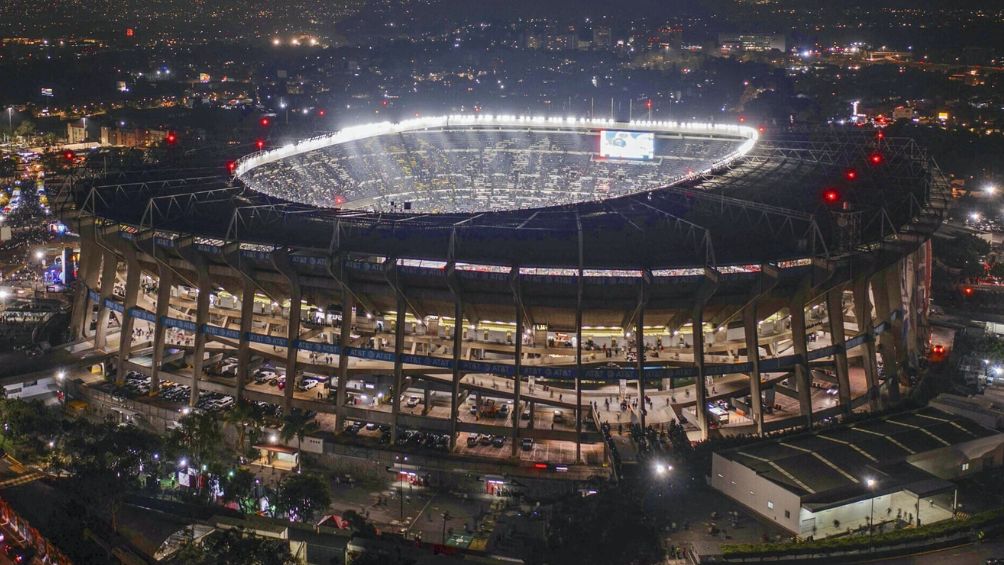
[{"x": 835, "y": 464}]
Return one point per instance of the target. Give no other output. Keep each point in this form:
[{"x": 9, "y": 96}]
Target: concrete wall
[{"x": 763, "y": 496}]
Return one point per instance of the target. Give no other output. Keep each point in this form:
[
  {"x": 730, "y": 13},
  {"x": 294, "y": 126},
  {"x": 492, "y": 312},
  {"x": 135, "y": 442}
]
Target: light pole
[
  {"x": 10, "y": 122},
  {"x": 871, "y": 515},
  {"x": 282, "y": 106},
  {"x": 400, "y": 475},
  {"x": 446, "y": 517}
]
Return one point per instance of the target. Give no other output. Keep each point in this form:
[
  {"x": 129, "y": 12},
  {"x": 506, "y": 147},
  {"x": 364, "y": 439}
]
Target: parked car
[
  {"x": 412, "y": 401},
  {"x": 526, "y": 444},
  {"x": 498, "y": 441},
  {"x": 472, "y": 440}
]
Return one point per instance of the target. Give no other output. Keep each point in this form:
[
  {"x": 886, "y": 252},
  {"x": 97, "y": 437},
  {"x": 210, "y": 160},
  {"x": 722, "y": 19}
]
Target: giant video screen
[{"x": 627, "y": 144}]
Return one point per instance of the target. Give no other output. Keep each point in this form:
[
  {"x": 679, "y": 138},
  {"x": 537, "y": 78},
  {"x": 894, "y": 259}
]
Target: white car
[
  {"x": 307, "y": 385},
  {"x": 412, "y": 401}
]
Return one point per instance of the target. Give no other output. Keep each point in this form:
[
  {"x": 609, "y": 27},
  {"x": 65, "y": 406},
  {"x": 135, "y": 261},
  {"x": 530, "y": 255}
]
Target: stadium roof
[{"x": 763, "y": 208}]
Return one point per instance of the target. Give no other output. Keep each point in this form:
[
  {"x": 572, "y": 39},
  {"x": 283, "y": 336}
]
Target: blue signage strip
[
  {"x": 856, "y": 341},
  {"x": 222, "y": 332},
  {"x": 272, "y": 340},
  {"x": 113, "y": 305},
  {"x": 141, "y": 314},
  {"x": 180, "y": 324}
]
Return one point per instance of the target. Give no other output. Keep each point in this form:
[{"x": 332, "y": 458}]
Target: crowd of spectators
[{"x": 466, "y": 170}]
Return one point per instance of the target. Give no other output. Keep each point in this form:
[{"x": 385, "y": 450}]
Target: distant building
[
  {"x": 76, "y": 132},
  {"x": 902, "y": 113},
  {"x": 602, "y": 38},
  {"x": 668, "y": 37},
  {"x": 755, "y": 42},
  {"x": 131, "y": 137}
]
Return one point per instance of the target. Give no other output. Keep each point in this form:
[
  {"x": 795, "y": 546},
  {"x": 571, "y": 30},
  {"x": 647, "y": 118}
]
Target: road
[{"x": 971, "y": 554}]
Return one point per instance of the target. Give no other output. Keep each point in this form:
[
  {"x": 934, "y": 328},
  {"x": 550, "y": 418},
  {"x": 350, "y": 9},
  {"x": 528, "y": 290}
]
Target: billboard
[{"x": 627, "y": 144}]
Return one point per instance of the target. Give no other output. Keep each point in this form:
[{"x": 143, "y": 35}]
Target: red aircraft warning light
[
  {"x": 68, "y": 155},
  {"x": 264, "y": 122},
  {"x": 171, "y": 138},
  {"x": 968, "y": 291},
  {"x": 831, "y": 196},
  {"x": 876, "y": 158},
  {"x": 260, "y": 144},
  {"x": 851, "y": 174},
  {"x": 321, "y": 112},
  {"x": 231, "y": 166}
]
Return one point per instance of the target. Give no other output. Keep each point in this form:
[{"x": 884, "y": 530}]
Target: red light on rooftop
[
  {"x": 231, "y": 166},
  {"x": 68, "y": 155},
  {"x": 742, "y": 119},
  {"x": 264, "y": 122},
  {"x": 876, "y": 158},
  {"x": 321, "y": 113},
  {"x": 171, "y": 137},
  {"x": 130, "y": 32},
  {"x": 968, "y": 291},
  {"x": 880, "y": 135},
  {"x": 851, "y": 174},
  {"x": 260, "y": 144}
]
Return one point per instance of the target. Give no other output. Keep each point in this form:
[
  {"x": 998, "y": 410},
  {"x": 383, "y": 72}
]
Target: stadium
[{"x": 523, "y": 279}]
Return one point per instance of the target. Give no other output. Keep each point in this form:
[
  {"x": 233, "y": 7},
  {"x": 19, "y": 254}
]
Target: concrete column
[
  {"x": 752, "y": 333},
  {"x": 458, "y": 335},
  {"x": 803, "y": 378},
  {"x": 125, "y": 333},
  {"x": 517, "y": 369},
  {"x": 578, "y": 378},
  {"x": 109, "y": 266},
  {"x": 835, "y": 315},
  {"x": 701, "y": 406},
  {"x": 87, "y": 279},
  {"x": 292, "y": 352},
  {"x": 165, "y": 280},
  {"x": 398, "y": 365},
  {"x": 893, "y": 277},
  {"x": 343, "y": 360},
  {"x": 201, "y": 319},
  {"x": 863, "y": 315},
  {"x": 243, "y": 342},
  {"x": 887, "y": 342},
  {"x": 640, "y": 365}
]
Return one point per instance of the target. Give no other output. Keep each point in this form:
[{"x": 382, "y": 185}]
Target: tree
[
  {"x": 997, "y": 270},
  {"x": 302, "y": 496},
  {"x": 239, "y": 487},
  {"x": 298, "y": 424},
  {"x": 25, "y": 128},
  {"x": 244, "y": 417},
  {"x": 235, "y": 546},
  {"x": 200, "y": 439}
]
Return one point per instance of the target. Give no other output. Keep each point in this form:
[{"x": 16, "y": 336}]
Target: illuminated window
[
  {"x": 965, "y": 466},
  {"x": 770, "y": 505}
]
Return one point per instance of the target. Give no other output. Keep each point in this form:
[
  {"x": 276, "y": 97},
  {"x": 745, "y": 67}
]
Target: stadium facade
[{"x": 768, "y": 262}]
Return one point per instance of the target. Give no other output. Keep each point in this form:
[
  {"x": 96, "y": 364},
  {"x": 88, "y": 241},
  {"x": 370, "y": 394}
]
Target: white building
[{"x": 890, "y": 470}]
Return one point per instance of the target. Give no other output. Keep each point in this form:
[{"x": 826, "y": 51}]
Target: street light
[
  {"x": 871, "y": 516},
  {"x": 400, "y": 474},
  {"x": 661, "y": 469}
]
